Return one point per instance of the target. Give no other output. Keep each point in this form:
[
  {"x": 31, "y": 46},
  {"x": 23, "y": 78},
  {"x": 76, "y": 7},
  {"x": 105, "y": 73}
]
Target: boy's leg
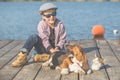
[
  {"x": 32, "y": 41},
  {"x": 36, "y": 42}
]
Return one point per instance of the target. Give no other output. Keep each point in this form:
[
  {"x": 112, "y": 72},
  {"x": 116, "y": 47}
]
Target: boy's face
[{"x": 49, "y": 16}]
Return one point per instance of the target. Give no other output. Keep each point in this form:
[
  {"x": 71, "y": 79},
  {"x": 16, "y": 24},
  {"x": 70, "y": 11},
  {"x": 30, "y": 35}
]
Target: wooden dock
[{"x": 107, "y": 49}]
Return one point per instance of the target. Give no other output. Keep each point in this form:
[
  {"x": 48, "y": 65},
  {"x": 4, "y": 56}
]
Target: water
[{"x": 18, "y": 20}]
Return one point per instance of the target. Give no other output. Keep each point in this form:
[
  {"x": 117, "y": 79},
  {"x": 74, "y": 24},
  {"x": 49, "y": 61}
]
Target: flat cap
[{"x": 47, "y": 6}]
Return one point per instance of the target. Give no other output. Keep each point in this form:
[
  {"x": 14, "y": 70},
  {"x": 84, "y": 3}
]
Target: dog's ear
[
  {"x": 80, "y": 48},
  {"x": 69, "y": 47}
]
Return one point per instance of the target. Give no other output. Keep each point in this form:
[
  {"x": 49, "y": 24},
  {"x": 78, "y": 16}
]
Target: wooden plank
[
  {"x": 90, "y": 48},
  {"x": 111, "y": 62},
  {"x": 4, "y": 43},
  {"x": 110, "y": 51},
  {"x": 47, "y": 74},
  {"x": 7, "y": 72},
  {"x": 10, "y": 45},
  {"x": 115, "y": 47},
  {"x": 71, "y": 76},
  {"x": 29, "y": 71},
  {"x": 72, "y": 42}
]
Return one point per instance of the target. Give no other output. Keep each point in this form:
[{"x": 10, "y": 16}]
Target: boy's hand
[{"x": 52, "y": 50}]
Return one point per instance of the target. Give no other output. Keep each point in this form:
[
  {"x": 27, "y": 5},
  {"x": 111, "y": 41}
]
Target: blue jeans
[{"x": 36, "y": 42}]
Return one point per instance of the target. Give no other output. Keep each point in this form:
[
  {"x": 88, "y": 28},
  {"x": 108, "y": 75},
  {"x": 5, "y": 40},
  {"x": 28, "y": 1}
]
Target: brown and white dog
[{"x": 77, "y": 62}]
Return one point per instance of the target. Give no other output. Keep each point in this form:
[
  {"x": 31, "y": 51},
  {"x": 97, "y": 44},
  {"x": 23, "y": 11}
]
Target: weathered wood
[
  {"x": 47, "y": 74},
  {"x": 29, "y": 71},
  {"x": 8, "y": 45},
  {"x": 72, "y": 42},
  {"x": 71, "y": 76},
  {"x": 90, "y": 48},
  {"x": 114, "y": 44},
  {"x": 109, "y": 50},
  {"x": 7, "y": 57},
  {"x": 7, "y": 72},
  {"x": 111, "y": 62},
  {"x": 4, "y": 43}
]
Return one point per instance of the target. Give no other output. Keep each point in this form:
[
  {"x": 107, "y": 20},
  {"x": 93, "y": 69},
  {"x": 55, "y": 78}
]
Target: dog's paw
[
  {"x": 76, "y": 71},
  {"x": 51, "y": 64},
  {"x": 73, "y": 67},
  {"x": 45, "y": 64},
  {"x": 58, "y": 68},
  {"x": 89, "y": 71},
  {"x": 65, "y": 71},
  {"x": 81, "y": 71}
]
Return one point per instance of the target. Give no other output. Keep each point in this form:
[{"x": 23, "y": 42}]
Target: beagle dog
[{"x": 77, "y": 62}]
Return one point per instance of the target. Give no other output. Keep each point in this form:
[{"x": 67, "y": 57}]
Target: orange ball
[{"x": 98, "y": 30}]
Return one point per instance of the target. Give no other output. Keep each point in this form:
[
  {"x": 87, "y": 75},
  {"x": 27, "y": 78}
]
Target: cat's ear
[{"x": 101, "y": 60}]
